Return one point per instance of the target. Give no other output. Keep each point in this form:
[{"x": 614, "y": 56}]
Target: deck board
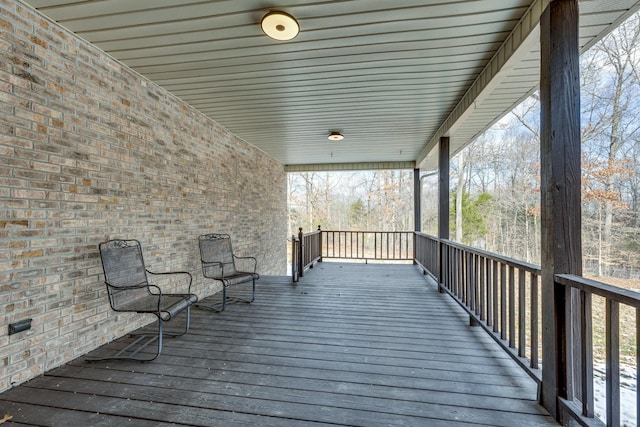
[{"x": 350, "y": 344}]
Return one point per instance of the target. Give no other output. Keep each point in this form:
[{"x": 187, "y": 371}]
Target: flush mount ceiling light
[
  {"x": 279, "y": 25},
  {"x": 335, "y": 136}
]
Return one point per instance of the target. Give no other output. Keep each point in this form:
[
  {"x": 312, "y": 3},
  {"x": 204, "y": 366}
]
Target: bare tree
[{"x": 610, "y": 85}]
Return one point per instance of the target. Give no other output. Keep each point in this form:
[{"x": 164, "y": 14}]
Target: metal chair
[
  {"x": 219, "y": 263},
  {"x": 129, "y": 290}
]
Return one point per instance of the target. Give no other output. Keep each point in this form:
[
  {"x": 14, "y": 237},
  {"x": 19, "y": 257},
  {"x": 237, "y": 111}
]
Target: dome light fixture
[
  {"x": 280, "y": 25},
  {"x": 335, "y": 136}
]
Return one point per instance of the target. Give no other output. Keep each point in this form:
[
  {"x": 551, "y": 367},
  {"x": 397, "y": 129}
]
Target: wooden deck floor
[{"x": 350, "y": 344}]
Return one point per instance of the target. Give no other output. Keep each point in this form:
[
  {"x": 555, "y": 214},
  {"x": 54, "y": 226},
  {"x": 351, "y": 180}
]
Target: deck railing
[
  {"x": 306, "y": 251},
  {"x": 368, "y": 245},
  {"x": 580, "y": 401},
  {"x": 499, "y": 293},
  {"x": 503, "y": 296},
  {"x": 426, "y": 255}
]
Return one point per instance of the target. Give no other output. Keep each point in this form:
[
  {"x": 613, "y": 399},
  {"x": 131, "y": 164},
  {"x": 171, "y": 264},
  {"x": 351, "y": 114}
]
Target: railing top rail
[
  {"x": 368, "y": 231},
  {"x": 423, "y": 234},
  {"x": 504, "y": 259},
  {"x": 522, "y": 265},
  {"x": 614, "y": 293}
]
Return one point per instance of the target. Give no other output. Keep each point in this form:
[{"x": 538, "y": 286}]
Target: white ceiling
[{"x": 393, "y": 76}]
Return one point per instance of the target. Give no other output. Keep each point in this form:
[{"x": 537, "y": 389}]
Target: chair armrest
[
  {"x": 155, "y": 290},
  {"x": 188, "y": 278},
  {"x": 211, "y": 263},
  {"x": 212, "y": 269},
  {"x": 250, "y": 261},
  {"x": 133, "y": 304},
  {"x": 125, "y": 288}
]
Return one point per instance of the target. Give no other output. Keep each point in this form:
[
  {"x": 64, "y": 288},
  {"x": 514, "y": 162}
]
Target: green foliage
[
  {"x": 357, "y": 214},
  {"x": 631, "y": 244},
  {"x": 474, "y": 212}
]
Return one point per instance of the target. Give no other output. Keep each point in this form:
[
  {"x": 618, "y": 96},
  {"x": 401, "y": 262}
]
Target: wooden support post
[
  {"x": 560, "y": 193},
  {"x": 443, "y": 206},
  {"x": 417, "y": 207},
  {"x": 294, "y": 259},
  {"x": 417, "y": 201},
  {"x": 319, "y": 243},
  {"x": 300, "y": 253}
]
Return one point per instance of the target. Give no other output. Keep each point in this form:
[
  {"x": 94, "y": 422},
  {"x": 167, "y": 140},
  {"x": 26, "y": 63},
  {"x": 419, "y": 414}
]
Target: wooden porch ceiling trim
[
  {"x": 511, "y": 52},
  {"x": 508, "y": 67}
]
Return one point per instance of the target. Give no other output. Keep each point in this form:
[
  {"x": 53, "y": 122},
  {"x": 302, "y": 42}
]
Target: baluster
[
  {"x": 468, "y": 273},
  {"x": 586, "y": 354},
  {"x": 503, "y": 301},
  {"x": 458, "y": 272},
  {"x": 496, "y": 308},
  {"x": 534, "y": 320},
  {"x": 473, "y": 281},
  {"x": 613, "y": 362},
  {"x": 446, "y": 265},
  {"x": 522, "y": 313},
  {"x": 454, "y": 270},
  {"x": 375, "y": 244},
  {"x": 512, "y": 307},
  {"x": 387, "y": 245},
  {"x": 350, "y": 244},
  {"x": 489, "y": 292},
  {"x": 482, "y": 283}
]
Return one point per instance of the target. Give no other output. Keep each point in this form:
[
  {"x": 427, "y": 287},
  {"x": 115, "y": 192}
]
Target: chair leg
[
  {"x": 217, "y": 307},
  {"x": 253, "y": 295},
  {"x": 187, "y": 325},
  {"x": 130, "y": 352}
]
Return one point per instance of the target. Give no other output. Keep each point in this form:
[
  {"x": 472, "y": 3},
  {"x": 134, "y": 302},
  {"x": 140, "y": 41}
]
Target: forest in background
[{"x": 495, "y": 180}]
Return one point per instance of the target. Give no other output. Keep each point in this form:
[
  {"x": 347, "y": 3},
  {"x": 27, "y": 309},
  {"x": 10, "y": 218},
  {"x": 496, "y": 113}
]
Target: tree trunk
[{"x": 614, "y": 145}]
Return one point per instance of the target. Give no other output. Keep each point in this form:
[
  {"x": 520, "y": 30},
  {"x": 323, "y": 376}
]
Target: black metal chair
[
  {"x": 219, "y": 263},
  {"x": 129, "y": 290}
]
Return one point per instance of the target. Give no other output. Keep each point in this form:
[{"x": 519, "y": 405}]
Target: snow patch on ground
[{"x": 628, "y": 390}]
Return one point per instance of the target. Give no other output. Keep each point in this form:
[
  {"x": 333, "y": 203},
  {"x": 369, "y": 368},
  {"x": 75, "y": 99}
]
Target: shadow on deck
[{"x": 350, "y": 344}]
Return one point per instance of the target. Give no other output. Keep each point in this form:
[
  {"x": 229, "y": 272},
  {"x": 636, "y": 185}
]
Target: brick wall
[{"x": 89, "y": 151}]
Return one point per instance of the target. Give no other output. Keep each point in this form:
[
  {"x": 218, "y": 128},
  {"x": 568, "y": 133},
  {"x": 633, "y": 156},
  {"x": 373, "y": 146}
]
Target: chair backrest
[
  {"x": 216, "y": 254},
  {"x": 123, "y": 267}
]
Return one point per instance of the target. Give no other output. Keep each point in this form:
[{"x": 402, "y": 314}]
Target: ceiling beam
[{"x": 366, "y": 166}]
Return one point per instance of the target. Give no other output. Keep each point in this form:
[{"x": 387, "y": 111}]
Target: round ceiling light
[
  {"x": 280, "y": 26},
  {"x": 335, "y": 136}
]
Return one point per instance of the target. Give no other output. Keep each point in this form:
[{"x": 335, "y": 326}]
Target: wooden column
[
  {"x": 443, "y": 188},
  {"x": 560, "y": 191},
  {"x": 300, "y": 253},
  {"x": 319, "y": 243},
  {"x": 417, "y": 201},
  {"x": 443, "y": 204},
  {"x": 417, "y": 208}
]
